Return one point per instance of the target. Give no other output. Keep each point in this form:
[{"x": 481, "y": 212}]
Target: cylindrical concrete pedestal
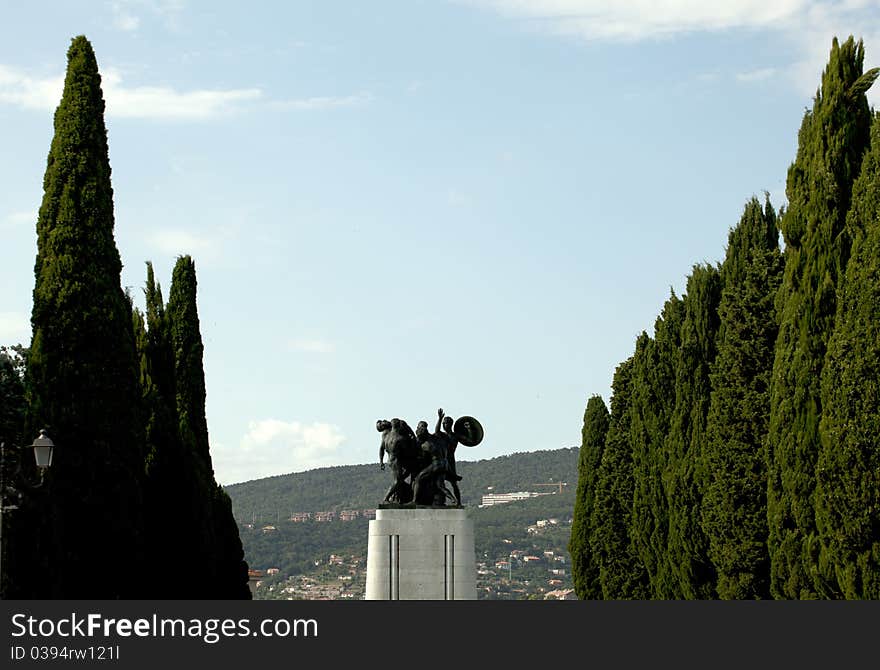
[{"x": 421, "y": 554}]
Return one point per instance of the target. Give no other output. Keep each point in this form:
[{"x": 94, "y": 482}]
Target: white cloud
[
  {"x": 274, "y": 447},
  {"x": 312, "y": 346},
  {"x": 756, "y": 75},
  {"x": 177, "y": 242},
  {"x": 161, "y": 102},
  {"x": 24, "y": 218},
  {"x": 806, "y": 25},
  {"x": 126, "y": 22},
  {"x": 628, "y": 20},
  {"x": 21, "y": 90},
  {"x": 146, "y": 102},
  {"x": 127, "y": 13},
  {"x": 15, "y": 327},
  {"x": 27, "y": 91},
  {"x": 324, "y": 102}
]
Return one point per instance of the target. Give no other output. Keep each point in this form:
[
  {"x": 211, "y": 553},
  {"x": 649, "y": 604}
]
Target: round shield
[{"x": 468, "y": 431}]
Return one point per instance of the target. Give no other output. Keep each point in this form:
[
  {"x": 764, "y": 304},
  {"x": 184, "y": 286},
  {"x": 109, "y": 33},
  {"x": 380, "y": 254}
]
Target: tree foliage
[
  {"x": 687, "y": 549},
  {"x": 82, "y": 379},
  {"x": 651, "y": 409},
  {"x": 621, "y": 572},
  {"x": 734, "y": 507},
  {"x": 585, "y": 571},
  {"x": 832, "y": 140},
  {"x": 848, "y": 471}
]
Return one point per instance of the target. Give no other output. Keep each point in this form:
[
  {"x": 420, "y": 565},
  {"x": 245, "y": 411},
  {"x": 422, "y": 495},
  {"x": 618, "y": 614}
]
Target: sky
[{"x": 398, "y": 206}]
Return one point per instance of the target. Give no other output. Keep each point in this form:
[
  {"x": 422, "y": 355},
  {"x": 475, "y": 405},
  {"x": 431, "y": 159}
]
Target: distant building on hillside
[
  {"x": 561, "y": 594},
  {"x": 490, "y": 499},
  {"x": 254, "y": 579}
]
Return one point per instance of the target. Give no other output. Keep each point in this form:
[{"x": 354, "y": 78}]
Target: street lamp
[{"x": 43, "y": 450}]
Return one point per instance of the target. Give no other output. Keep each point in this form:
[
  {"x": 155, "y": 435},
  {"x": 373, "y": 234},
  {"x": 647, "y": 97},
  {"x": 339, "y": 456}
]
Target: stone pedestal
[{"x": 421, "y": 553}]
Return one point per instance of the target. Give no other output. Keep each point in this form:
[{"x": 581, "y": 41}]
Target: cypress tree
[
  {"x": 584, "y": 569},
  {"x": 831, "y": 143},
  {"x": 189, "y": 374},
  {"x": 621, "y": 573},
  {"x": 82, "y": 373},
  {"x": 652, "y": 405},
  {"x": 219, "y": 555},
  {"x": 687, "y": 549},
  {"x": 848, "y": 473},
  {"x": 734, "y": 510},
  {"x": 170, "y": 476}
]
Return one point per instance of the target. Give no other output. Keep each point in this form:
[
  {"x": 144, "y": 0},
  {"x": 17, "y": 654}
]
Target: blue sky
[{"x": 399, "y": 206}]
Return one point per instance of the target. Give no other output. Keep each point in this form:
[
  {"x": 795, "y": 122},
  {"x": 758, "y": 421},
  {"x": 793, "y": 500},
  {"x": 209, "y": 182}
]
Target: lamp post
[{"x": 44, "y": 449}]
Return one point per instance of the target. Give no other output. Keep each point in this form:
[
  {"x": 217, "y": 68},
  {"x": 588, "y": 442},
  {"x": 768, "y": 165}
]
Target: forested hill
[{"x": 363, "y": 486}]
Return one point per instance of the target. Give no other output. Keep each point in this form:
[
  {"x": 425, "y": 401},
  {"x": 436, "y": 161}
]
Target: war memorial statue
[
  {"x": 420, "y": 546},
  {"x": 423, "y": 463}
]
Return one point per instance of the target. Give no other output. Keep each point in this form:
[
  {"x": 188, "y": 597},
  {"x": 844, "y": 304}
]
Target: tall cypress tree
[
  {"x": 652, "y": 405},
  {"x": 170, "y": 475},
  {"x": 848, "y": 473},
  {"x": 687, "y": 549},
  {"x": 219, "y": 556},
  {"x": 734, "y": 510},
  {"x": 832, "y": 140},
  {"x": 621, "y": 573},
  {"x": 584, "y": 569},
  {"x": 82, "y": 373}
]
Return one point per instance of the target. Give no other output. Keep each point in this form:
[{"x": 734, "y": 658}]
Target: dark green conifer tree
[
  {"x": 12, "y": 413},
  {"x": 12, "y": 404},
  {"x": 621, "y": 573},
  {"x": 687, "y": 549},
  {"x": 652, "y": 405},
  {"x": 584, "y": 569},
  {"x": 848, "y": 473},
  {"x": 82, "y": 371},
  {"x": 220, "y": 555},
  {"x": 831, "y": 142},
  {"x": 734, "y": 510},
  {"x": 171, "y": 513}
]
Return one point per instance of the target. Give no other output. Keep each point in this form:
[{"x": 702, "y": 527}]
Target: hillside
[
  {"x": 363, "y": 486},
  {"x": 303, "y": 548}
]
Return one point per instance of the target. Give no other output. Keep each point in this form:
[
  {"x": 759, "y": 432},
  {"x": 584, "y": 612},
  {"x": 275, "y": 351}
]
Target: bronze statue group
[{"x": 422, "y": 463}]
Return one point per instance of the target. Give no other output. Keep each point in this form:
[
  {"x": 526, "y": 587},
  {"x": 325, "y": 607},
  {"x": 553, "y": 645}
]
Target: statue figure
[
  {"x": 422, "y": 462},
  {"x": 435, "y": 466},
  {"x": 399, "y": 442},
  {"x": 451, "y": 443}
]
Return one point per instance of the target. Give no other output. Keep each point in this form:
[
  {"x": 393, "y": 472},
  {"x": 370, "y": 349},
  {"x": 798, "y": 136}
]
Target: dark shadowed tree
[
  {"x": 172, "y": 511},
  {"x": 12, "y": 403},
  {"x": 87, "y": 540},
  {"x": 584, "y": 569},
  {"x": 651, "y": 408},
  {"x": 12, "y": 413},
  {"x": 219, "y": 556},
  {"x": 621, "y": 573}
]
